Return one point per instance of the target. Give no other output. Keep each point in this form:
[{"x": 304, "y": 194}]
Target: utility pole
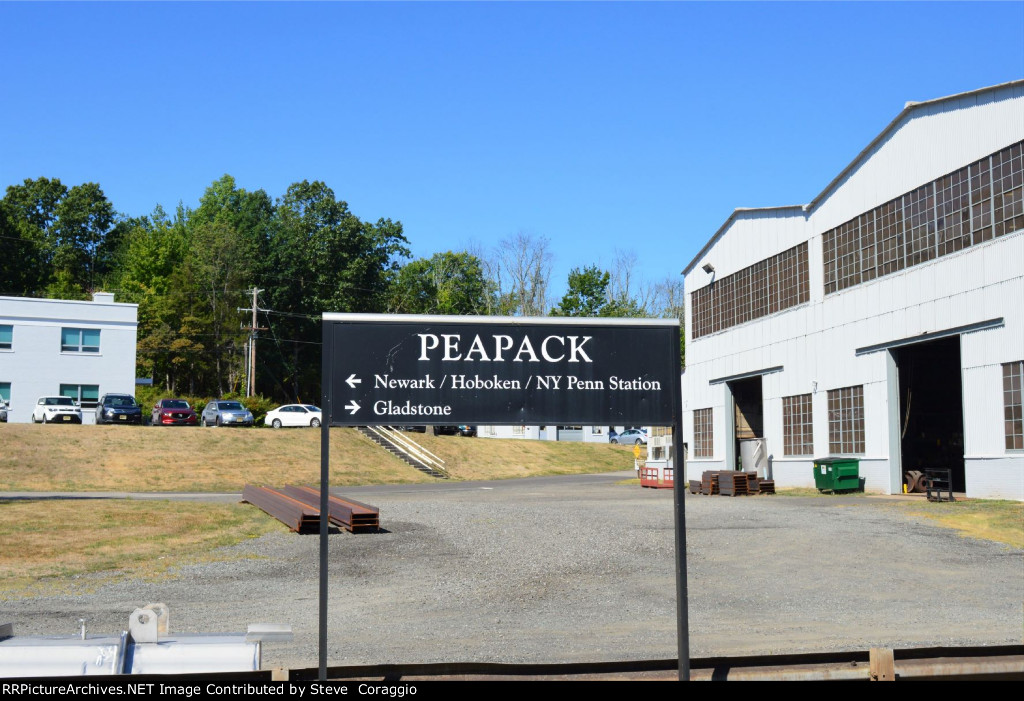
[{"x": 250, "y": 383}]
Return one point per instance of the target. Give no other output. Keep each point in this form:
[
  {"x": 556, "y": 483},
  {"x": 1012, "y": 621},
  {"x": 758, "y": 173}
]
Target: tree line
[{"x": 193, "y": 274}]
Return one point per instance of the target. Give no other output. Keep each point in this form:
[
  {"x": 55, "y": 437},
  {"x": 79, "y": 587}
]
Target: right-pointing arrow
[{"x": 352, "y": 407}]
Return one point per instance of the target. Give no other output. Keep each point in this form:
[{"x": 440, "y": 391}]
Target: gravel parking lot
[{"x": 568, "y": 569}]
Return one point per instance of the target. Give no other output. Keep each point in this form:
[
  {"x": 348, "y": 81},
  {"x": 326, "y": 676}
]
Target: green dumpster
[{"x": 837, "y": 474}]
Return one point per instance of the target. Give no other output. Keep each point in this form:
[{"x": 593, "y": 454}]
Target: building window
[
  {"x": 1007, "y": 200},
  {"x": 490, "y": 431},
  {"x": 846, "y": 420},
  {"x": 85, "y": 395},
  {"x": 518, "y": 431},
  {"x": 797, "y": 425},
  {"x": 80, "y": 340},
  {"x": 1013, "y": 421},
  {"x": 6, "y": 336},
  {"x": 976, "y": 203},
  {"x": 703, "y": 433},
  {"x": 766, "y": 287},
  {"x": 5, "y": 392},
  {"x": 596, "y": 431}
]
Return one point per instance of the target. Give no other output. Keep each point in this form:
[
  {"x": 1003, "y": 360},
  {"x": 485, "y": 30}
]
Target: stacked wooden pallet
[{"x": 766, "y": 486}]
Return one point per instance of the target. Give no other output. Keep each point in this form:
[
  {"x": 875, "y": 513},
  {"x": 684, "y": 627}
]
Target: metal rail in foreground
[
  {"x": 1002, "y": 663},
  {"x": 926, "y": 664}
]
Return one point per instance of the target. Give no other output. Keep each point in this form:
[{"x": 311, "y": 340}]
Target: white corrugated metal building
[
  {"x": 883, "y": 321},
  {"x": 79, "y": 349}
]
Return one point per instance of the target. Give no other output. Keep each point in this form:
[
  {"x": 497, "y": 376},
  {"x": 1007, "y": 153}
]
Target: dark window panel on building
[
  {"x": 969, "y": 206},
  {"x": 846, "y": 420},
  {"x": 703, "y": 433},
  {"x": 1013, "y": 415},
  {"x": 797, "y": 425},
  {"x": 768, "y": 286}
]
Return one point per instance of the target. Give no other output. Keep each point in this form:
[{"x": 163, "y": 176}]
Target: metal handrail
[
  {"x": 420, "y": 447},
  {"x": 417, "y": 450}
]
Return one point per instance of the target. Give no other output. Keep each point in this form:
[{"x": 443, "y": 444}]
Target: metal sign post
[{"x": 448, "y": 370}]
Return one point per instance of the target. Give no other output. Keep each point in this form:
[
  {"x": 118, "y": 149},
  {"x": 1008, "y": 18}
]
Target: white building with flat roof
[
  {"x": 883, "y": 321},
  {"x": 79, "y": 349},
  {"x": 577, "y": 434}
]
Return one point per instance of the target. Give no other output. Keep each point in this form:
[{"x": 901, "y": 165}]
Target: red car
[{"x": 174, "y": 412}]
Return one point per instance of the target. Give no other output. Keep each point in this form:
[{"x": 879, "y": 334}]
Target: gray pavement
[{"x": 581, "y": 568}]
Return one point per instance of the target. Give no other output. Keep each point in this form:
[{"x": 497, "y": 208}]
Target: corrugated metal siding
[
  {"x": 930, "y": 142},
  {"x": 816, "y": 342},
  {"x": 1000, "y": 478}
]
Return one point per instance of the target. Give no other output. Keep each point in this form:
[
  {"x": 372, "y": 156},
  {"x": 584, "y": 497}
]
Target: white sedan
[{"x": 294, "y": 415}]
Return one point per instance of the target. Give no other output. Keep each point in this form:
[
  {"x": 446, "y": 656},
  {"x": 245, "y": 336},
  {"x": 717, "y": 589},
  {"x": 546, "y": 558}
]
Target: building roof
[{"x": 908, "y": 108}]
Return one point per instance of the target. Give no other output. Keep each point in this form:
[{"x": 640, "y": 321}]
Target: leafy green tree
[
  {"x": 64, "y": 231},
  {"x": 587, "y": 293},
  {"x": 18, "y": 255},
  {"x": 445, "y": 283},
  {"x": 321, "y": 258},
  {"x": 30, "y": 211},
  {"x": 84, "y": 218}
]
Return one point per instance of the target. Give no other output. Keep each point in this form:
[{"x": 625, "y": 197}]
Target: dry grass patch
[
  {"x": 999, "y": 521},
  {"x": 46, "y": 544},
  {"x": 187, "y": 459}
]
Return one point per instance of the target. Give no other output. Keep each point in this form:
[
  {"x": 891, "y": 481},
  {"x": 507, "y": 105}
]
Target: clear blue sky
[{"x": 598, "y": 125}]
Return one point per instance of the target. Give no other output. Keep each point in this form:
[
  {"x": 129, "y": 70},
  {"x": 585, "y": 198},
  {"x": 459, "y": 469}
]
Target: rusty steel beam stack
[
  {"x": 299, "y": 517},
  {"x": 353, "y": 516},
  {"x": 709, "y": 482},
  {"x": 299, "y": 509},
  {"x": 732, "y": 484}
]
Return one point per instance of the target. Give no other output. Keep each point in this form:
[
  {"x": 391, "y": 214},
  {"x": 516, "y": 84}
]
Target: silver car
[{"x": 226, "y": 413}]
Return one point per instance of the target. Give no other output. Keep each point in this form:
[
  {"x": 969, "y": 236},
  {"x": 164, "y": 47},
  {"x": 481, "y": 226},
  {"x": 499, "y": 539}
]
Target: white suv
[{"x": 62, "y": 410}]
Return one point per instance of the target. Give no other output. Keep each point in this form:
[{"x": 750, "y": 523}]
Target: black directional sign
[
  {"x": 386, "y": 370},
  {"x": 397, "y": 370}
]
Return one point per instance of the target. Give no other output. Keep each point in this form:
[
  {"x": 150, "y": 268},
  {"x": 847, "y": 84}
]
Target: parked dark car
[
  {"x": 454, "y": 430},
  {"x": 118, "y": 409},
  {"x": 226, "y": 413},
  {"x": 174, "y": 412}
]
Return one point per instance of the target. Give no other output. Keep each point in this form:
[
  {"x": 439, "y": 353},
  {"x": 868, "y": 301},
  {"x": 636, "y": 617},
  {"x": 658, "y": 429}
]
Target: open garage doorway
[
  {"x": 931, "y": 408},
  {"x": 748, "y": 423}
]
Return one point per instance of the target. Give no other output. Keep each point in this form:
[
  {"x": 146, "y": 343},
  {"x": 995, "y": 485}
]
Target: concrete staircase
[{"x": 405, "y": 449}]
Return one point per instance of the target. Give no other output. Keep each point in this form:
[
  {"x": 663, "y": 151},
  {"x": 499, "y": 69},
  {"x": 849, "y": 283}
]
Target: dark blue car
[{"x": 118, "y": 409}]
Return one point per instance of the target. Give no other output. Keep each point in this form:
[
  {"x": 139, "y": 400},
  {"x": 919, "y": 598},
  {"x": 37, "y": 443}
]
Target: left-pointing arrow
[
  {"x": 352, "y": 380},
  {"x": 352, "y": 407}
]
